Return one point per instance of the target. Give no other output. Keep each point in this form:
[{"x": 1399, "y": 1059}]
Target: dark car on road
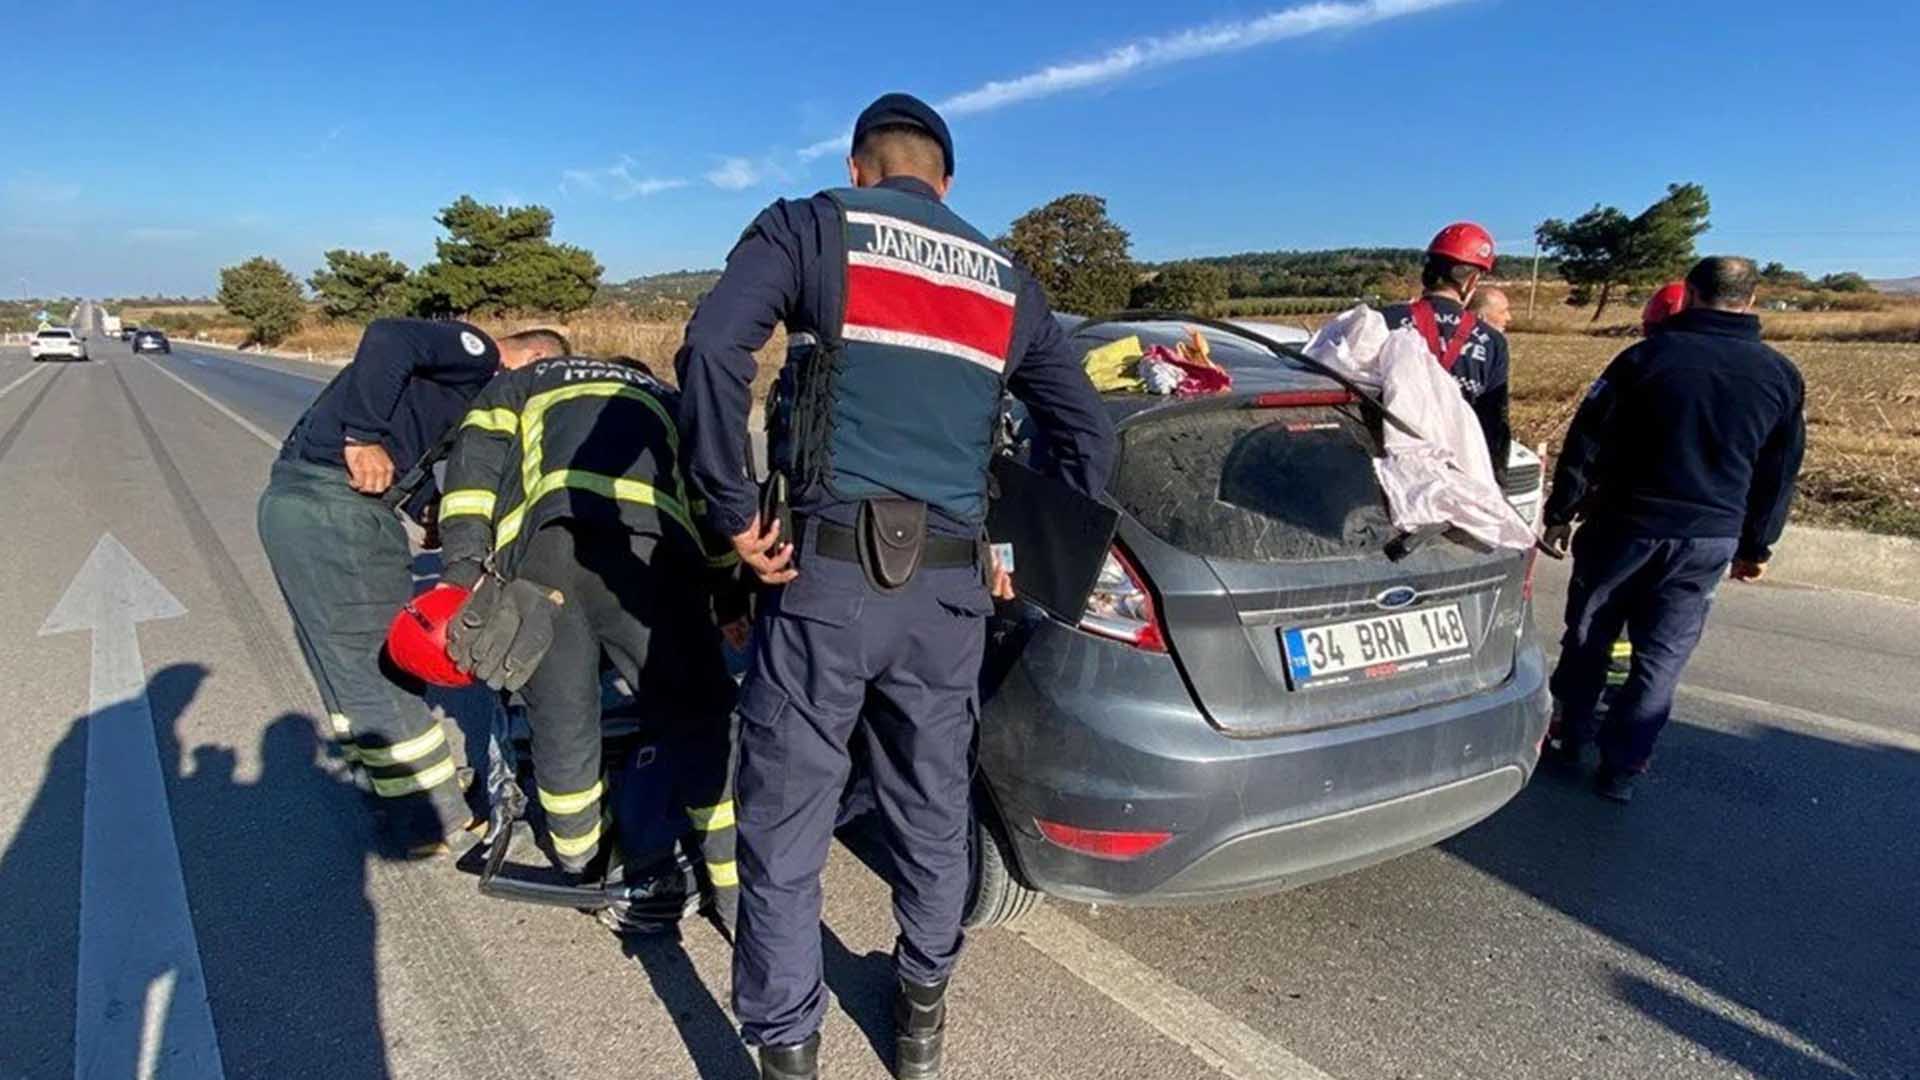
[
  {"x": 150, "y": 340},
  {"x": 1267, "y": 689}
]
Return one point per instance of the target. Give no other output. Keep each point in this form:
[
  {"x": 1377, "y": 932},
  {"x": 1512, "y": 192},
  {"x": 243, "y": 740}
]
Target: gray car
[{"x": 1271, "y": 686}]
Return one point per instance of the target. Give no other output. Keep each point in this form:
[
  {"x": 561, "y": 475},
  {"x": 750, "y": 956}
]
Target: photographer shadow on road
[
  {"x": 276, "y": 886},
  {"x": 1776, "y": 871}
]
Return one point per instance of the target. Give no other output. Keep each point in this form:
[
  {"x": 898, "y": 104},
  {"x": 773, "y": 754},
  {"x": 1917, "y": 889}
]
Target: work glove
[{"x": 504, "y": 631}]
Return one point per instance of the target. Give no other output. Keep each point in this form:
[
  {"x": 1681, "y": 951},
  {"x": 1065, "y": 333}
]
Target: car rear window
[
  {"x": 56, "y": 333},
  {"x": 1256, "y": 485}
]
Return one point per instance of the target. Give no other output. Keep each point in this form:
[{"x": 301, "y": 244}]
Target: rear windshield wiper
[{"x": 1283, "y": 352}]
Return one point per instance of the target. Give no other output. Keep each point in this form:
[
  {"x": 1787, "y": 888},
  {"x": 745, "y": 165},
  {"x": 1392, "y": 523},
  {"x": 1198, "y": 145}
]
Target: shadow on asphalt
[
  {"x": 277, "y": 886},
  {"x": 704, "y": 1026},
  {"x": 277, "y": 873},
  {"x": 1778, "y": 871}
]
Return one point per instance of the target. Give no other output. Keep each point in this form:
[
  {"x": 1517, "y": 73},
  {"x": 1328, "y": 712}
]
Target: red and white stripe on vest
[
  {"x": 1447, "y": 352},
  {"x": 916, "y": 287}
]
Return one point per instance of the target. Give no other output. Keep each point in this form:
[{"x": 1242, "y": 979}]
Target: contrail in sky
[{"x": 1144, "y": 54}]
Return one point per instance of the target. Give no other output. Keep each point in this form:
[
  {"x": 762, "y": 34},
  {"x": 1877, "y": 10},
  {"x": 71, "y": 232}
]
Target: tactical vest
[{"x": 901, "y": 398}]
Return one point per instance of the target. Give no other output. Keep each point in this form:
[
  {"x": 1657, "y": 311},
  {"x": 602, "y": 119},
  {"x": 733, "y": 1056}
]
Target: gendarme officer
[{"x": 908, "y": 327}]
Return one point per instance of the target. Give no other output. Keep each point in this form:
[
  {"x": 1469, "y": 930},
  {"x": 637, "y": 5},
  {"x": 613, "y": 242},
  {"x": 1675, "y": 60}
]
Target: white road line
[
  {"x": 1226, "y": 1044},
  {"x": 1793, "y": 716},
  {"x": 140, "y": 1001},
  {"x": 9, "y": 388},
  {"x": 252, "y": 429},
  {"x": 244, "y": 362}
]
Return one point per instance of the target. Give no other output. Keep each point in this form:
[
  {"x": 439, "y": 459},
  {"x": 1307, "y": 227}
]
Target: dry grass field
[
  {"x": 1863, "y": 420},
  {"x": 1863, "y": 465}
]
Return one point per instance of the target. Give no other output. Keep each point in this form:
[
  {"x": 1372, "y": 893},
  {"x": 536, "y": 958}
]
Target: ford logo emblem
[{"x": 1397, "y": 597}]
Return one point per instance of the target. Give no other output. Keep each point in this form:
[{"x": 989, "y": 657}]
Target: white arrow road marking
[{"x": 141, "y": 1007}]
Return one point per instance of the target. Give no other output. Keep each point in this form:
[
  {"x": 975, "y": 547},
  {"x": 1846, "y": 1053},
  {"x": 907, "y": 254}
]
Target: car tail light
[
  {"x": 1121, "y": 608},
  {"x": 1296, "y": 399},
  {"x": 1102, "y": 844},
  {"x": 1526, "y": 583}
]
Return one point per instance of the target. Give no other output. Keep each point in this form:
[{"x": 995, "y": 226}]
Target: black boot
[
  {"x": 919, "y": 1030},
  {"x": 1614, "y": 785},
  {"x": 800, "y": 1061}
]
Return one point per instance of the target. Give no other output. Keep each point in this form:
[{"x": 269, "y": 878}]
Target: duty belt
[{"x": 840, "y": 543}]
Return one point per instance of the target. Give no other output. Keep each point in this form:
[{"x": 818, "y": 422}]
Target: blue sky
[{"x": 182, "y": 137}]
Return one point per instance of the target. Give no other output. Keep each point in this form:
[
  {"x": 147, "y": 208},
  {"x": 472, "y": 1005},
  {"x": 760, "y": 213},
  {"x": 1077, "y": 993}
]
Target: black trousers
[
  {"x": 345, "y": 569},
  {"x": 651, "y": 617}
]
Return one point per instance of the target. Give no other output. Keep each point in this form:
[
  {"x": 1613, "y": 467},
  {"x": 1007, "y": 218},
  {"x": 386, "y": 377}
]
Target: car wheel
[{"x": 997, "y": 896}]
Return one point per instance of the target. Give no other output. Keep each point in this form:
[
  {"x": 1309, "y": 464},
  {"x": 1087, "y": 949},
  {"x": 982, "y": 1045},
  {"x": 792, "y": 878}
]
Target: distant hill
[
  {"x": 677, "y": 287},
  {"x": 1344, "y": 272},
  {"x": 1906, "y": 286}
]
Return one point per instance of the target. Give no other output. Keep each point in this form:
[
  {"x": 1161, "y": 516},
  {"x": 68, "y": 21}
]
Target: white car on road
[{"x": 56, "y": 343}]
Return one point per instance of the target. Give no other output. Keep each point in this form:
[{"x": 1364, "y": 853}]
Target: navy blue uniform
[
  {"x": 1481, "y": 371},
  {"x": 1682, "y": 458},
  {"x": 343, "y": 562},
  {"x": 832, "y": 651}
]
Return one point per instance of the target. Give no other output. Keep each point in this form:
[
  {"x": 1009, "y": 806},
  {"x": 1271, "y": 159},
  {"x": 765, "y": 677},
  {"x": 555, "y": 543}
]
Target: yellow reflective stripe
[
  {"x": 723, "y": 874},
  {"x": 575, "y": 845},
  {"x": 709, "y": 818},
  {"x": 343, "y": 736},
  {"x": 533, "y": 422},
  {"x": 408, "y": 750},
  {"x": 570, "y": 802},
  {"x": 406, "y": 785},
  {"x": 1622, "y": 650},
  {"x": 503, "y": 421},
  {"x": 470, "y": 502},
  {"x": 617, "y": 488}
]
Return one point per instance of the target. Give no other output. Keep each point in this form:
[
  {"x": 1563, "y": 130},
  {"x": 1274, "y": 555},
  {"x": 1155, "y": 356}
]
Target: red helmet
[
  {"x": 417, "y": 640},
  {"x": 1666, "y": 302},
  {"x": 1464, "y": 242}
]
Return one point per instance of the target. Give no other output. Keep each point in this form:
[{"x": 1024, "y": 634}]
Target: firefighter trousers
[
  {"x": 652, "y": 622},
  {"x": 344, "y": 567}
]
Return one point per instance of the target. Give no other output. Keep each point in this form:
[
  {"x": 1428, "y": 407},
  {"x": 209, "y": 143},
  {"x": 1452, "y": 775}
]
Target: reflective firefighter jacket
[{"x": 570, "y": 438}]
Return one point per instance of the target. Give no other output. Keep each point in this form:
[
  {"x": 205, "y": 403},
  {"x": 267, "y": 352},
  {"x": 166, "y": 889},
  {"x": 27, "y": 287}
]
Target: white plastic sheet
[{"x": 1444, "y": 475}]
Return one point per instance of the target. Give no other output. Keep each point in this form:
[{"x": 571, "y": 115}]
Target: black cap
[{"x": 892, "y": 110}]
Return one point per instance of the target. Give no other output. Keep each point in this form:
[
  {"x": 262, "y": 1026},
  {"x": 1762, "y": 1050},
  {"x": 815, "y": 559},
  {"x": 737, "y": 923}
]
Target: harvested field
[
  {"x": 1863, "y": 462},
  {"x": 1863, "y": 421}
]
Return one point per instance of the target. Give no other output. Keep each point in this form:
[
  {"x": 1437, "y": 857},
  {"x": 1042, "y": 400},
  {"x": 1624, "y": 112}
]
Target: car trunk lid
[{"x": 1261, "y": 525}]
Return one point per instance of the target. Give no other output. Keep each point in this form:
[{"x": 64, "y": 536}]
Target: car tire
[{"x": 996, "y": 896}]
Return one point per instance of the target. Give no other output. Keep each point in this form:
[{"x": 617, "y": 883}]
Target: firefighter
[
  {"x": 567, "y": 517},
  {"x": 908, "y": 327},
  {"x": 327, "y": 520},
  {"x": 1681, "y": 463},
  {"x": 1472, "y": 350}
]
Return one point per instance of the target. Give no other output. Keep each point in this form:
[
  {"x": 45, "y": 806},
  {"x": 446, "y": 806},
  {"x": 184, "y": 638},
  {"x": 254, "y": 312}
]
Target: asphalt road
[{"x": 1753, "y": 914}]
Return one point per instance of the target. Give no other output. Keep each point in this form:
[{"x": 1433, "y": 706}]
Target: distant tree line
[{"x": 493, "y": 259}]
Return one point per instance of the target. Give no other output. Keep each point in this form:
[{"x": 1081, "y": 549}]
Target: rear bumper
[{"x": 1096, "y": 735}]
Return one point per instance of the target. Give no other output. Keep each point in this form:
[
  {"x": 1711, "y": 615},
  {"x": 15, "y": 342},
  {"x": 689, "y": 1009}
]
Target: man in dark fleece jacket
[{"x": 1681, "y": 463}]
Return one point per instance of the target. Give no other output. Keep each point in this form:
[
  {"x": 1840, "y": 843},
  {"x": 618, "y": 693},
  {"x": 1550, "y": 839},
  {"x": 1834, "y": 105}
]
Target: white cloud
[
  {"x": 1143, "y": 54},
  {"x": 735, "y": 174},
  {"x": 616, "y": 181},
  {"x": 1192, "y": 44}
]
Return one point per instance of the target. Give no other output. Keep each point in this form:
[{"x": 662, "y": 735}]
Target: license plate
[{"x": 1376, "y": 647}]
